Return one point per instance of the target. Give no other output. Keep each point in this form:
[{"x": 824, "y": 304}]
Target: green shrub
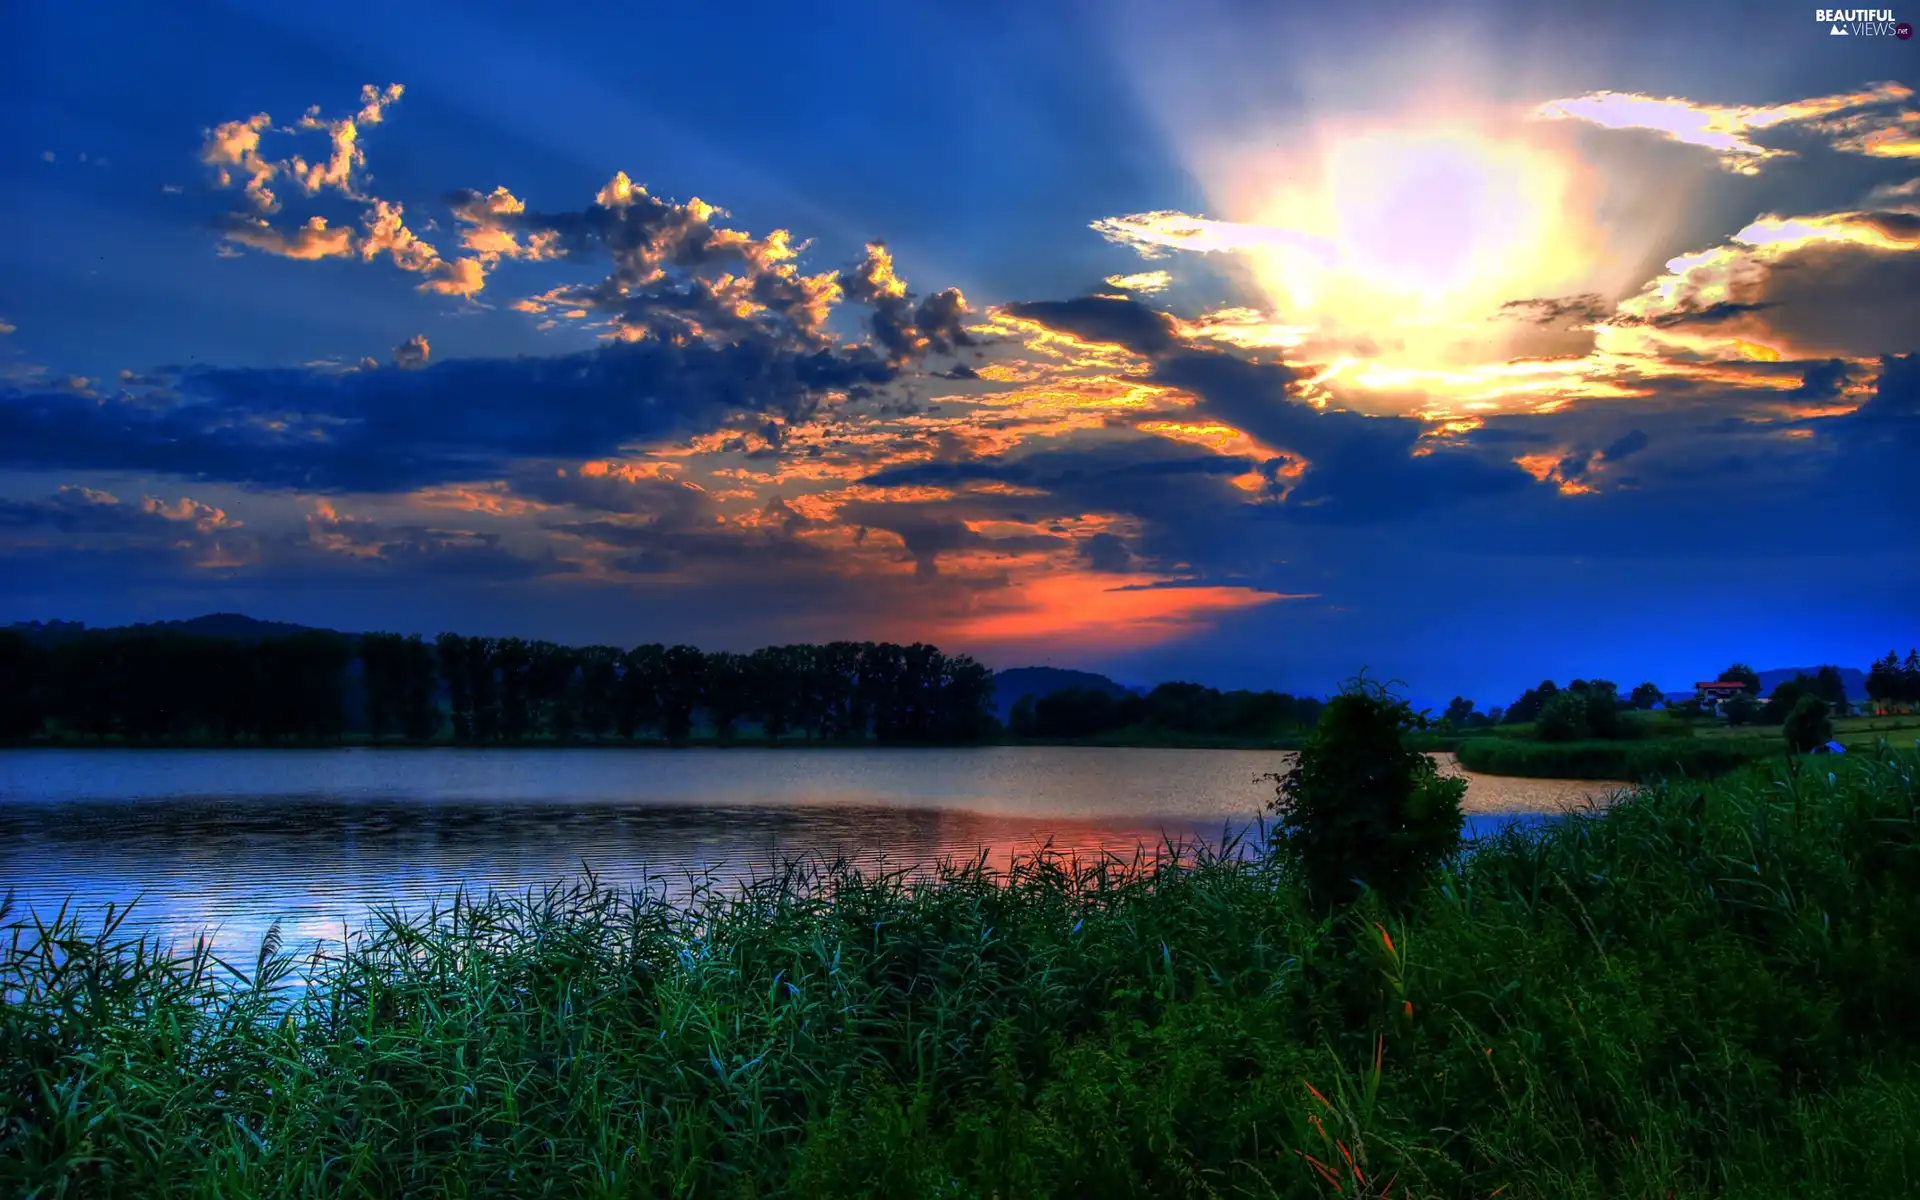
[
  {"x": 1564, "y": 719},
  {"x": 1629, "y": 761},
  {"x": 1808, "y": 725},
  {"x": 1362, "y": 806}
]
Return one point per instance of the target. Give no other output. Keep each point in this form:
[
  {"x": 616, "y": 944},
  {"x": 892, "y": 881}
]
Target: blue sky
[{"x": 1245, "y": 343}]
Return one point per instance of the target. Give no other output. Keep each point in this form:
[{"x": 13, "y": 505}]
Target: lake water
[{"x": 231, "y": 841}]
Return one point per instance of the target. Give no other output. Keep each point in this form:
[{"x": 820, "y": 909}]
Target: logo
[{"x": 1862, "y": 22}]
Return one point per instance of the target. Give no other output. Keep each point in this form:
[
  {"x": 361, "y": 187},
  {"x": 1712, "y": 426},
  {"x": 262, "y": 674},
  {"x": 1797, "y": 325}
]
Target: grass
[
  {"x": 1707, "y": 990},
  {"x": 1624, "y": 760}
]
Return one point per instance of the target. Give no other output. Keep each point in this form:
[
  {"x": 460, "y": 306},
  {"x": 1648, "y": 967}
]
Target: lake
[{"x": 233, "y": 840}]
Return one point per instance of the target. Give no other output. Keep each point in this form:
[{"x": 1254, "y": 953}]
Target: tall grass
[
  {"x": 1627, "y": 760},
  {"x": 1708, "y": 990}
]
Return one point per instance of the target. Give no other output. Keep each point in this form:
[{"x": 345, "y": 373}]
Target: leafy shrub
[
  {"x": 1364, "y": 807},
  {"x": 1808, "y": 725},
  {"x": 1564, "y": 719},
  {"x": 1742, "y": 709},
  {"x": 1603, "y": 710},
  {"x": 1633, "y": 761}
]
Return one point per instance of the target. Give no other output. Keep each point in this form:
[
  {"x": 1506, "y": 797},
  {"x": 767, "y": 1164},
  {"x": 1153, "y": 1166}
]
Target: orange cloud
[
  {"x": 203, "y": 517},
  {"x": 1097, "y": 611},
  {"x": 313, "y": 240},
  {"x": 1145, "y": 281}
]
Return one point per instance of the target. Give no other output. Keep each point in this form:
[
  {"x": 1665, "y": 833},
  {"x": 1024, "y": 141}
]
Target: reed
[
  {"x": 1705, "y": 990},
  {"x": 1635, "y": 761}
]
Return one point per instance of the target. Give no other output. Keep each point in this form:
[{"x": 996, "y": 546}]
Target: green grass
[
  {"x": 1625, "y": 760},
  {"x": 1708, "y": 990},
  {"x": 1851, "y": 732}
]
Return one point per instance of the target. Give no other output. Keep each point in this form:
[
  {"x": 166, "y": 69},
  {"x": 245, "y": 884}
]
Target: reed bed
[
  {"x": 1705, "y": 990},
  {"x": 1634, "y": 760}
]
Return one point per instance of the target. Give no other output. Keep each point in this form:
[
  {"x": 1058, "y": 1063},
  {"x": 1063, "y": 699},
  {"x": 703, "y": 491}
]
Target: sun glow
[{"x": 1406, "y": 230}]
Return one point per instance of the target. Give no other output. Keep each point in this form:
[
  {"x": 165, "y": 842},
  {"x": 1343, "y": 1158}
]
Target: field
[
  {"x": 1664, "y": 746},
  {"x": 1706, "y": 990}
]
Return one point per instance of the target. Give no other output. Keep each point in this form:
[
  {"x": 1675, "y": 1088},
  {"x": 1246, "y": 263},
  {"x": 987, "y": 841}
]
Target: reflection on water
[{"x": 233, "y": 840}]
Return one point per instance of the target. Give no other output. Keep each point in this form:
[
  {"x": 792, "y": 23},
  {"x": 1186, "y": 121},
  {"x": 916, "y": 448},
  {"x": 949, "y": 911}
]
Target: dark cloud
[
  {"x": 1823, "y": 381},
  {"x": 1358, "y": 467},
  {"x": 392, "y": 430},
  {"x": 1708, "y": 314},
  {"x": 86, "y": 511},
  {"x": 1106, "y": 552},
  {"x": 1121, "y": 322},
  {"x": 1559, "y": 311},
  {"x": 1630, "y": 443},
  {"x": 427, "y": 551}
]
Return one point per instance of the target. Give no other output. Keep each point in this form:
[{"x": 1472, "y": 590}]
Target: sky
[{"x": 1250, "y": 344}]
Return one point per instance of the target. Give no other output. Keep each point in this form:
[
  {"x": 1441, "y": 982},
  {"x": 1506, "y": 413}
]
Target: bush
[
  {"x": 1742, "y": 709},
  {"x": 1362, "y": 807},
  {"x": 1808, "y": 725},
  {"x": 1564, "y": 719},
  {"x": 1632, "y": 761}
]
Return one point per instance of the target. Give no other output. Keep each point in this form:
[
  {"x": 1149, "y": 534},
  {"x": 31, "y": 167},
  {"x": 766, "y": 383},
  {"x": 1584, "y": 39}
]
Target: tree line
[
  {"x": 161, "y": 686},
  {"x": 1186, "y": 708},
  {"x": 1893, "y": 683}
]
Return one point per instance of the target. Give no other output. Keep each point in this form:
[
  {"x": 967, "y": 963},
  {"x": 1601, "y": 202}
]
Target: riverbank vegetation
[{"x": 1704, "y": 991}]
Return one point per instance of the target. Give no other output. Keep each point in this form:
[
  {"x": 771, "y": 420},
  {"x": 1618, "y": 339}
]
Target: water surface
[{"x": 233, "y": 840}]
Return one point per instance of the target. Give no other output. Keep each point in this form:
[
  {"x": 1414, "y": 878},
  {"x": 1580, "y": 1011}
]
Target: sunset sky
[{"x": 1244, "y": 343}]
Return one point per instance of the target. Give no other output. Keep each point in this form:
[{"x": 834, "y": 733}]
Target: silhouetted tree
[
  {"x": 680, "y": 684},
  {"x": 724, "y": 692},
  {"x": 1743, "y": 674},
  {"x": 1829, "y": 685},
  {"x": 1563, "y": 719},
  {"x": 599, "y": 690},
  {"x": 1361, "y": 808},
  {"x": 450, "y": 649},
  {"x": 1785, "y": 696},
  {"x": 420, "y": 708},
  {"x": 1808, "y": 725},
  {"x": 23, "y": 682},
  {"x": 1742, "y": 709},
  {"x": 1645, "y": 696}
]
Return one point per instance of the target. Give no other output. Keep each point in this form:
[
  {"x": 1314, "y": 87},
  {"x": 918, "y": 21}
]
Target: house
[{"x": 1714, "y": 693}]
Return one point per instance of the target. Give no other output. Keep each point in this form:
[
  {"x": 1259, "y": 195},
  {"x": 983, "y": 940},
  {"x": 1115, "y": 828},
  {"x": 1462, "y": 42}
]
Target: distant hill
[
  {"x": 1010, "y": 685},
  {"x": 1853, "y": 677},
  {"x": 220, "y": 625}
]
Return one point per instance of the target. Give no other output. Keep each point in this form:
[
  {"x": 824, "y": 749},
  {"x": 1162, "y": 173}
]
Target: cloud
[
  {"x": 413, "y": 352},
  {"x": 1107, "y": 552},
  {"x": 1627, "y": 444},
  {"x": 1154, "y": 234},
  {"x": 466, "y": 555},
  {"x": 1127, "y": 323},
  {"x": 322, "y": 429},
  {"x": 313, "y": 240},
  {"x": 1885, "y": 130},
  {"x": 1143, "y": 281},
  {"x": 1560, "y": 311}
]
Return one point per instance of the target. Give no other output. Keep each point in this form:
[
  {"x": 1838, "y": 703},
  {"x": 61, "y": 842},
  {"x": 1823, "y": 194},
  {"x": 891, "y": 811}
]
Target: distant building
[{"x": 1714, "y": 693}]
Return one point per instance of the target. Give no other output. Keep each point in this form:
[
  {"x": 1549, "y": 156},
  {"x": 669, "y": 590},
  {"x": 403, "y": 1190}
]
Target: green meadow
[
  {"x": 1706, "y": 989},
  {"x": 1656, "y": 745}
]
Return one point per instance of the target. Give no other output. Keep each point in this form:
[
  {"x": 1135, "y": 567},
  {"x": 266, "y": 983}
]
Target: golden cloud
[{"x": 1726, "y": 129}]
